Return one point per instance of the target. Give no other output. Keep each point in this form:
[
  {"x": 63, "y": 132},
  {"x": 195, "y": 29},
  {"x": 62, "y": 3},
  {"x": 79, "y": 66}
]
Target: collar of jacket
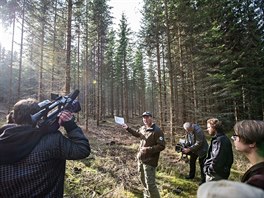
[{"x": 151, "y": 128}]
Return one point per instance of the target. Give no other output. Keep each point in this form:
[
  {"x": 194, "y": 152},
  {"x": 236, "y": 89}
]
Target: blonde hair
[{"x": 216, "y": 124}]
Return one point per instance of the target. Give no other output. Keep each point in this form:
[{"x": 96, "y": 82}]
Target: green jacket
[{"x": 153, "y": 138}]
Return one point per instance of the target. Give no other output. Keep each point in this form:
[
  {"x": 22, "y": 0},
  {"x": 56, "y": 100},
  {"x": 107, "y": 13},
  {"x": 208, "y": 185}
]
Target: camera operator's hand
[
  {"x": 66, "y": 120},
  {"x": 64, "y": 116},
  {"x": 186, "y": 150}
]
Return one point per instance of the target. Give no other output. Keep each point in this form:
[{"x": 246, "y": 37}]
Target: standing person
[
  {"x": 151, "y": 144},
  {"x": 219, "y": 159},
  {"x": 32, "y": 160},
  {"x": 249, "y": 139},
  {"x": 197, "y": 146}
]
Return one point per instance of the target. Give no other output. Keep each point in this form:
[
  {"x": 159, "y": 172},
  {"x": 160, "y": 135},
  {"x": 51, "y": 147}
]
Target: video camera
[
  {"x": 50, "y": 110},
  {"x": 179, "y": 148}
]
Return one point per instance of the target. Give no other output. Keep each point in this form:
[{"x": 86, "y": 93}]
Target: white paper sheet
[{"x": 119, "y": 120}]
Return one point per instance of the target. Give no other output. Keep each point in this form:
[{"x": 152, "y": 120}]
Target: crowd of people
[
  {"x": 248, "y": 139},
  {"x": 33, "y": 159},
  {"x": 215, "y": 160}
]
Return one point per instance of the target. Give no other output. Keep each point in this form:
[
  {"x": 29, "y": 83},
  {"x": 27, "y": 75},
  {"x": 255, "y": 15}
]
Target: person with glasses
[
  {"x": 249, "y": 139},
  {"x": 219, "y": 158}
]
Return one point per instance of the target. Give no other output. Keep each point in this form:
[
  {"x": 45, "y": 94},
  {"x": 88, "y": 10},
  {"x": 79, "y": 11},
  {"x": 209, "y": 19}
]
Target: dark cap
[{"x": 146, "y": 114}]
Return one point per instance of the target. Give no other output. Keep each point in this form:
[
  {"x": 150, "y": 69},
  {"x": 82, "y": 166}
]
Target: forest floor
[{"x": 111, "y": 169}]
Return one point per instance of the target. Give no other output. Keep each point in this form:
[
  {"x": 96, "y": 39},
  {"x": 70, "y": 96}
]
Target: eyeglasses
[{"x": 234, "y": 137}]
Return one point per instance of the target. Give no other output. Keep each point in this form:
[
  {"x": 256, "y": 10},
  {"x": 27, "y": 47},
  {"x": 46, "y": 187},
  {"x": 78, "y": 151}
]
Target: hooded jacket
[{"x": 32, "y": 161}]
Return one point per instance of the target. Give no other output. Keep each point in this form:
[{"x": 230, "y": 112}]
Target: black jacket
[
  {"x": 32, "y": 162},
  {"x": 220, "y": 157}
]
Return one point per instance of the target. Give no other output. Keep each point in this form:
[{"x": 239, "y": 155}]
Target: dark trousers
[{"x": 193, "y": 158}]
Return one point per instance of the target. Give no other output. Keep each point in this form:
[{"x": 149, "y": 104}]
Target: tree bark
[{"x": 68, "y": 51}]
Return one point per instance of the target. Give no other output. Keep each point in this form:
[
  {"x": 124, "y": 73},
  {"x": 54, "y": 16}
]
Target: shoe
[{"x": 188, "y": 177}]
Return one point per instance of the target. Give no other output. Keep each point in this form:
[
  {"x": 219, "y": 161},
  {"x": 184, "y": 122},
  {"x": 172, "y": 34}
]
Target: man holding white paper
[{"x": 151, "y": 144}]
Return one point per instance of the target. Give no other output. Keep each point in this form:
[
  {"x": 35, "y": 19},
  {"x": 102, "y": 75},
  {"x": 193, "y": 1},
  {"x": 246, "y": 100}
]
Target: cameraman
[
  {"x": 32, "y": 160},
  {"x": 197, "y": 146}
]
